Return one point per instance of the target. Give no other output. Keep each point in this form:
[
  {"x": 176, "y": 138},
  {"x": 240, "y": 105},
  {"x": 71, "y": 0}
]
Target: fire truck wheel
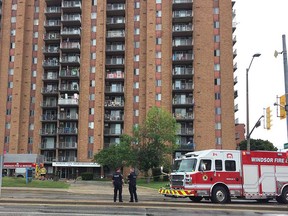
[
  {"x": 279, "y": 199},
  {"x": 220, "y": 195},
  {"x": 196, "y": 199},
  {"x": 284, "y": 195}
]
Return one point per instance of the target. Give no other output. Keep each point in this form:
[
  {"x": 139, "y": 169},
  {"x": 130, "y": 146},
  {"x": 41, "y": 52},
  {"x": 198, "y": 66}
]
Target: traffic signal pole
[{"x": 285, "y": 77}]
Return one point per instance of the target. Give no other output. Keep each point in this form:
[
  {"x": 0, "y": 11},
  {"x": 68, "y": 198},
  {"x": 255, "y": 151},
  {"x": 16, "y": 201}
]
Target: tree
[
  {"x": 117, "y": 155},
  {"x": 258, "y": 144},
  {"x": 156, "y": 138}
]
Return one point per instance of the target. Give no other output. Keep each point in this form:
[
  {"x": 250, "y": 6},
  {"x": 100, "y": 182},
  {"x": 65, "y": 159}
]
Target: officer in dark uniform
[
  {"x": 132, "y": 185},
  {"x": 117, "y": 181}
]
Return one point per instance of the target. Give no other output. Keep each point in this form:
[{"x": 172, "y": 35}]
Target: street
[{"x": 95, "y": 198}]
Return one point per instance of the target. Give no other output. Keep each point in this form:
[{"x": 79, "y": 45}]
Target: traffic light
[
  {"x": 268, "y": 118},
  {"x": 282, "y": 107}
]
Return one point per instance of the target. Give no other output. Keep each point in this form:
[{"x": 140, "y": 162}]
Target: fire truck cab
[{"x": 220, "y": 175}]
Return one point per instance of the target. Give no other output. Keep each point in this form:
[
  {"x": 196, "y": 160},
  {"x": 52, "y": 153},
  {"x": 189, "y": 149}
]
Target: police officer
[
  {"x": 117, "y": 181},
  {"x": 132, "y": 185}
]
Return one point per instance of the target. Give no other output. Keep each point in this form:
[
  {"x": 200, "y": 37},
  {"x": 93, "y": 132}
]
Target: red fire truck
[{"x": 220, "y": 175}]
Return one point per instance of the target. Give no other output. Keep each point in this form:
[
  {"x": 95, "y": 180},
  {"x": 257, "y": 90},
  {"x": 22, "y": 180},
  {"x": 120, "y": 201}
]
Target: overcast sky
[{"x": 260, "y": 26}]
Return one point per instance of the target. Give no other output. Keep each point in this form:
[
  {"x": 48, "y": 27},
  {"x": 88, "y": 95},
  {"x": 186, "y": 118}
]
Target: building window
[
  {"x": 33, "y": 86},
  {"x": 7, "y": 125},
  {"x": 136, "y": 58},
  {"x": 34, "y": 60},
  {"x": 8, "y": 111},
  {"x": 30, "y": 140},
  {"x": 218, "y": 140},
  {"x": 11, "y": 71},
  {"x": 158, "y": 13},
  {"x": 91, "y": 125},
  {"x": 158, "y": 82},
  {"x": 6, "y": 139},
  {"x": 136, "y": 112},
  {"x": 137, "y": 18},
  {"x": 13, "y": 19},
  {"x": 136, "y": 85},
  {"x": 158, "y": 26},
  {"x": 93, "y": 42},
  {"x": 11, "y": 58},
  {"x": 158, "y": 1},
  {"x": 32, "y": 100},
  {"x": 93, "y": 56},
  {"x": 217, "y": 67},
  {"x": 216, "y": 10},
  {"x": 136, "y": 71},
  {"x": 90, "y": 154},
  {"x": 158, "y": 54},
  {"x": 92, "y": 83},
  {"x": 136, "y": 99},
  {"x": 34, "y": 73},
  {"x": 217, "y": 96},
  {"x": 92, "y": 97},
  {"x": 12, "y": 45},
  {"x": 158, "y": 97},
  {"x": 158, "y": 41},
  {"x": 217, "y": 81},
  {"x": 31, "y": 126},
  {"x": 13, "y": 32},
  {"x": 93, "y": 15},
  {"x": 136, "y": 31},
  {"x": 137, "y": 5},
  {"x": 136, "y": 44},
  {"x": 216, "y": 38},
  {"x": 218, "y": 125},
  {"x": 91, "y": 139},
  {"x": 217, "y": 52},
  {"x": 9, "y": 98},
  {"x": 94, "y": 29},
  {"x": 36, "y": 9},
  {"x": 35, "y": 47},
  {"x": 32, "y": 112},
  {"x": 93, "y": 69},
  {"x": 10, "y": 84},
  {"x": 218, "y": 110},
  {"x": 94, "y": 2},
  {"x": 36, "y": 22},
  {"x": 158, "y": 68},
  {"x": 216, "y": 24},
  {"x": 91, "y": 111},
  {"x": 35, "y": 35}
]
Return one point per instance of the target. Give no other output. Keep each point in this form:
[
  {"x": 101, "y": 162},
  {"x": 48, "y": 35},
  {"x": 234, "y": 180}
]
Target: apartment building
[{"x": 75, "y": 75}]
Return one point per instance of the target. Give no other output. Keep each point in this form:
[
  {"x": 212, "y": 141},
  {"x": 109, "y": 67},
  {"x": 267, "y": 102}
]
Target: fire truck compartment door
[
  {"x": 267, "y": 179},
  {"x": 250, "y": 184}
]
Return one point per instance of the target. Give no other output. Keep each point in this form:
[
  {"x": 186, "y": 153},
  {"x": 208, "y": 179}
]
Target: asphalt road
[{"x": 88, "y": 196}]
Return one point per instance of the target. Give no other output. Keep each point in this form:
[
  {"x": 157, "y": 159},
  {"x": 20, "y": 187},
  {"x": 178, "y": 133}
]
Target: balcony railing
[
  {"x": 183, "y": 13},
  {"x": 113, "y": 131},
  {"x": 67, "y": 130},
  {"x": 71, "y": 32},
  {"x": 74, "y": 72},
  {"x": 49, "y": 159},
  {"x": 68, "y": 4},
  {"x": 179, "y": 28},
  {"x": 70, "y": 59},
  {"x": 180, "y": 116},
  {"x": 68, "y": 101},
  {"x": 50, "y": 76},
  {"x": 67, "y": 159},
  {"x": 182, "y": 42},
  {"x": 115, "y": 47},
  {"x": 183, "y": 86},
  {"x": 53, "y": 10},
  {"x": 51, "y": 49},
  {"x": 48, "y": 104},
  {"x": 112, "y": 34},
  {"x": 49, "y": 117},
  {"x": 51, "y": 90},
  {"x": 51, "y": 62},
  {"x": 52, "y": 36},
  {"x": 115, "y": 6},
  {"x": 115, "y": 61},
  {"x": 182, "y": 57},
  {"x": 73, "y": 17},
  {"x": 115, "y": 20},
  {"x": 65, "y": 116},
  {"x": 47, "y": 145},
  {"x": 185, "y": 131},
  {"x": 182, "y": 71},
  {"x": 109, "y": 103},
  {"x": 114, "y": 117},
  {"x": 70, "y": 45},
  {"x": 186, "y": 146},
  {"x": 183, "y": 101},
  {"x": 52, "y": 23},
  {"x": 117, "y": 89},
  {"x": 48, "y": 131},
  {"x": 67, "y": 145},
  {"x": 69, "y": 87},
  {"x": 114, "y": 75}
]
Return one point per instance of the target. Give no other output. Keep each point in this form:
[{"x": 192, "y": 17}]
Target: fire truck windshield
[
  {"x": 176, "y": 165},
  {"x": 187, "y": 165}
]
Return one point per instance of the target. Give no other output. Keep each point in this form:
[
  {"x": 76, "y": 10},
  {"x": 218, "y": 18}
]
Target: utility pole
[{"x": 284, "y": 52}]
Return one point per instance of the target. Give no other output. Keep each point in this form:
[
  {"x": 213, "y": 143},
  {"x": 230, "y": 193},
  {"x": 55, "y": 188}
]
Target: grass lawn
[
  {"x": 152, "y": 184},
  {"x": 21, "y": 182}
]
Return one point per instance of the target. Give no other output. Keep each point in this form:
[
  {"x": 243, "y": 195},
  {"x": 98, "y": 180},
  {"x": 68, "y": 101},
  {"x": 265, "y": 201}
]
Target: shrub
[{"x": 87, "y": 176}]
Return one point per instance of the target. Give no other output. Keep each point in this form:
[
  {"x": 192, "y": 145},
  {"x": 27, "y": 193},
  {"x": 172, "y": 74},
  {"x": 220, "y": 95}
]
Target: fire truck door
[{"x": 250, "y": 179}]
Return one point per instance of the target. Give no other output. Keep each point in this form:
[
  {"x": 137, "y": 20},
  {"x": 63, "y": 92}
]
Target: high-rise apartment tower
[{"x": 75, "y": 75}]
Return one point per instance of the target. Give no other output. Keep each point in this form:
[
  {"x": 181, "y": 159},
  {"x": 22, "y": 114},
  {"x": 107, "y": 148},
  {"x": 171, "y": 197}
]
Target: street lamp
[{"x": 247, "y": 101}]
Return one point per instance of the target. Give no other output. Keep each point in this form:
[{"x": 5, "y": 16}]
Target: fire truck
[{"x": 220, "y": 175}]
